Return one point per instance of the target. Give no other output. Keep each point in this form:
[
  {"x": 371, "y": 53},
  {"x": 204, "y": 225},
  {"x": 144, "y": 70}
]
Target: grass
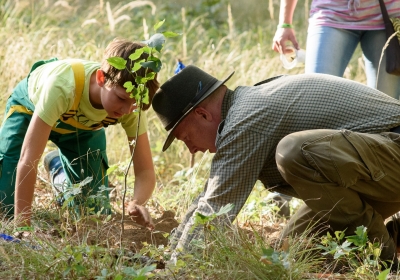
[{"x": 217, "y": 36}]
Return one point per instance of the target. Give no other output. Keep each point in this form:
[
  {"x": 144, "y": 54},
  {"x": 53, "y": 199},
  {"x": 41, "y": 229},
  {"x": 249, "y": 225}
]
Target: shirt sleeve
[
  {"x": 129, "y": 123},
  {"x": 56, "y": 97},
  {"x": 235, "y": 168}
]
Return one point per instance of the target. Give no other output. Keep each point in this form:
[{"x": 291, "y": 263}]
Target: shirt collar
[{"x": 226, "y": 103}]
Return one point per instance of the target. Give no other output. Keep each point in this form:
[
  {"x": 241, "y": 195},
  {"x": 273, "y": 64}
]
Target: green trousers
[
  {"x": 346, "y": 179},
  {"x": 82, "y": 152}
]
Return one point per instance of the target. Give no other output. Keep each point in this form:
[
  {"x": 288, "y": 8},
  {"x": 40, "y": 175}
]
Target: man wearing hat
[{"x": 332, "y": 142}]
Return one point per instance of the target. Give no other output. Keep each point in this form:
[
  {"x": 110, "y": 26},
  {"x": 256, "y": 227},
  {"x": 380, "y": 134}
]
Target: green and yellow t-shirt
[{"x": 51, "y": 88}]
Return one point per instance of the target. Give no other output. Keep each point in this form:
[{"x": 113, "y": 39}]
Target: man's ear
[
  {"x": 203, "y": 113},
  {"x": 100, "y": 78}
]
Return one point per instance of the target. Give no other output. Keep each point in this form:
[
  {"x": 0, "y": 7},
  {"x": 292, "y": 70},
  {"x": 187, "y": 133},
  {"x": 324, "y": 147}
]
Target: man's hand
[{"x": 140, "y": 214}]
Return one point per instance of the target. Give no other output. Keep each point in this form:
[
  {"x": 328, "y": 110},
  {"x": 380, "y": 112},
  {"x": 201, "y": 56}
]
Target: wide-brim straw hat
[{"x": 178, "y": 96}]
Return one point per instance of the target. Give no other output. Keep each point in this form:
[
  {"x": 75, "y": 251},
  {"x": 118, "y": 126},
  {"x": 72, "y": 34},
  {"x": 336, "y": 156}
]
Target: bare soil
[
  {"x": 102, "y": 230},
  {"x": 107, "y": 232}
]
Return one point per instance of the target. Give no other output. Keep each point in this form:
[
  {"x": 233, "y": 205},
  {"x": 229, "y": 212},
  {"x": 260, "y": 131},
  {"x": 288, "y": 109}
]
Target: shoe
[
  {"x": 389, "y": 254},
  {"x": 393, "y": 227},
  {"x": 281, "y": 202},
  {"x": 53, "y": 166},
  {"x": 47, "y": 161}
]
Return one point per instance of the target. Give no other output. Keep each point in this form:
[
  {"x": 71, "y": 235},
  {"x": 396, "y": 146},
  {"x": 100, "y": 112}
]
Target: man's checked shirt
[{"x": 256, "y": 118}]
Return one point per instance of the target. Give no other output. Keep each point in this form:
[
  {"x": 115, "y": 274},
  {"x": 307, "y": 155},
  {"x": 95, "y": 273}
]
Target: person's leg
[
  {"x": 306, "y": 221},
  {"x": 372, "y": 43},
  {"x": 329, "y": 50},
  {"x": 12, "y": 134},
  {"x": 347, "y": 174},
  {"x": 84, "y": 164}
]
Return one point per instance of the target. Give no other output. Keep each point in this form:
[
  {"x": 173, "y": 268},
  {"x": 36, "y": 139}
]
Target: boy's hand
[{"x": 140, "y": 214}]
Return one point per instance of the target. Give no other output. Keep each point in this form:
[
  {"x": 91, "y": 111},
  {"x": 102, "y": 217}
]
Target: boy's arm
[
  {"x": 32, "y": 149},
  {"x": 145, "y": 180}
]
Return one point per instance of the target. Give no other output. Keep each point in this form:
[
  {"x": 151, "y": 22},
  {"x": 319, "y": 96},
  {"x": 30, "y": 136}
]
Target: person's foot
[
  {"x": 389, "y": 255},
  {"x": 49, "y": 163},
  {"x": 52, "y": 164},
  {"x": 393, "y": 227},
  {"x": 395, "y": 265},
  {"x": 281, "y": 202}
]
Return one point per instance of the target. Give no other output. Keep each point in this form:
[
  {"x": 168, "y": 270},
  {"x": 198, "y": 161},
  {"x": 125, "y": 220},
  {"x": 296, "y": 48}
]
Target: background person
[{"x": 335, "y": 30}]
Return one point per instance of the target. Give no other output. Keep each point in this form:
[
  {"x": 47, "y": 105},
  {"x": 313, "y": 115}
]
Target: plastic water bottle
[{"x": 293, "y": 57}]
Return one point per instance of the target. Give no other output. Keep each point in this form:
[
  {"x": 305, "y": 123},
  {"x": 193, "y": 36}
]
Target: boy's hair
[{"x": 124, "y": 48}]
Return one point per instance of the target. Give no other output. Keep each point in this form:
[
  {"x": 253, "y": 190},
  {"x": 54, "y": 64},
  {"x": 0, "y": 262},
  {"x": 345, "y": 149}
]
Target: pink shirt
[{"x": 351, "y": 14}]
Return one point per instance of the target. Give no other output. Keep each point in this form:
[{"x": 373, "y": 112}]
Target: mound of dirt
[{"x": 108, "y": 233}]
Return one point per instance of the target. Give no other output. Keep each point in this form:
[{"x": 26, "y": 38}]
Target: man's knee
[{"x": 289, "y": 150}]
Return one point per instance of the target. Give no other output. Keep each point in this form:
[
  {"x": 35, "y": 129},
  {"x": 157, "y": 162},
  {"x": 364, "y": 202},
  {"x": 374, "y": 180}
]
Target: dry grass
[{"x": 219, "y": 39}]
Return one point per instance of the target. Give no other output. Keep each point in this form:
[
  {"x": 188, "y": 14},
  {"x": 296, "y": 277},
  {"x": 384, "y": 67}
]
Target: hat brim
[{"x": 171, "y": 137}]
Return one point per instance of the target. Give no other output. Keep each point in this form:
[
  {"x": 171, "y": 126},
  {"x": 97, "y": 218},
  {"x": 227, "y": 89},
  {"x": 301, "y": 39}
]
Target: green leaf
[
  {"x": 79, "y": 268},
  {"x": 225, "y": 209},
  {"x": 181, "y": 263},
  {"x": 76, "y": 190},
  {"x": 112, "y": 168},
  {"x": 130, "y": 271},
  {"x": 133, "y": 93},
  {"x": 104, "y": 272},
  {"x": 376, "y": 251},
  {"x": 146, "y": 269},
  {"x": 170, "y": 34},
  {"x": 137, "y": 65},
  {"x": 156, "y": 41},
  {"x": 145, "y": 98},
  {"x": 66, "y": 271},
  {"x": 136, "y": 55},
  {"x": 361, "y": 237},
  {"x": 200, "y": 219},
  {"x": 346, "y": 245},
  {"x": 267, "y": 251},
  {"x": 154, "y": 65},
  {"x": 67, "y": 202},
  {"x": 147, "y": 49},
  {"x": 140, "y": 81},
  {"x": 137, "y": 95},
  {"x": 86, "y": 181},
  {"x": 78, "y": 256},
  {"x": 129, "y": 87},
  {"x": 158, "y": 25},
  {"x": 361, "y": 231},
  {"x": 339, "y": 235},
  {"x": 104, "y": 189},
  {"x": 201, "y": 216},
  {"x": 383, "y": 275},
  {"x": 117, "y": 62},
  {"x": 150, "y": 76}
]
